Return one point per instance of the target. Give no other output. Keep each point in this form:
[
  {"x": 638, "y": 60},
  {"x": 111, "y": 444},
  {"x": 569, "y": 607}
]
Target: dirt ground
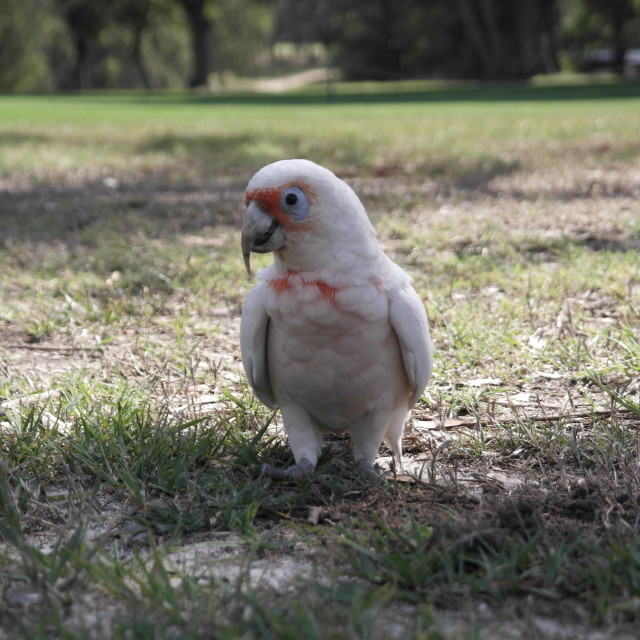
[{"x": 489, "y": 494}]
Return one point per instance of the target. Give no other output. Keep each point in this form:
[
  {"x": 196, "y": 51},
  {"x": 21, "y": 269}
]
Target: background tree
[
  {"x": 23, "y": 64},
  {"x": 199, "y": 15},
  {"x": 381, "y": 39},
  {"x": 494, "y": 39},
  {"x": 305, "y": 22},
  {"x": 80, "y": 44},
  {"x": 241, "y": 33},
  {"x": 613, "y": 24},
  {"x": 166, "y": 47},
  {"x": 85, "y": 19},
  {"x": 508, "y": 35},
  {"x": 136, "y": 15}
]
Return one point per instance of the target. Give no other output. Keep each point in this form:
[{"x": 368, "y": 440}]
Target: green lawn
[{"x": 131, "y": 501}]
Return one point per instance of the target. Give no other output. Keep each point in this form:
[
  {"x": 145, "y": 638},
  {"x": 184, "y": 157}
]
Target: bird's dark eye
[{"x": 294, "y": 203}]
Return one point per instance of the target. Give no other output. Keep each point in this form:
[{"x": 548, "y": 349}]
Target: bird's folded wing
[
  {"x": 254, "y": 329},
  {"x": 409, "y": 321}
]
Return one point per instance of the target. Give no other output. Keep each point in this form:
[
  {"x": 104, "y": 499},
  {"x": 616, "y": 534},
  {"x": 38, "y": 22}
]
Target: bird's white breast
[{"x": 331, "y": 348}]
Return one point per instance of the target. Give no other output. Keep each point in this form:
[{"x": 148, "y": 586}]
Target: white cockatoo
[{"x": 333, "y": 332}]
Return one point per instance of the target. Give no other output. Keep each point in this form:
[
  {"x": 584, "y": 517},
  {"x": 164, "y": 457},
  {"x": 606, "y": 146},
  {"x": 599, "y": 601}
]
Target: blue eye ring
[{"x": 294, "y": 203}]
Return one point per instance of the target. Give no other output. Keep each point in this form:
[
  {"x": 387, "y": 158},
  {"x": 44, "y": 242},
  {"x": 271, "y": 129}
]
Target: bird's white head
[{"x": 306, "y": 215}]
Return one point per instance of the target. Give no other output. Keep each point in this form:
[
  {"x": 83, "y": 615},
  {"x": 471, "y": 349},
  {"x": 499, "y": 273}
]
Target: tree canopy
[{"x": 81, "y": 44}]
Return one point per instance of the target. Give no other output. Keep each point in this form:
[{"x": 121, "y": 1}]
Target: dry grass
[{"x": 130, "y": 496}]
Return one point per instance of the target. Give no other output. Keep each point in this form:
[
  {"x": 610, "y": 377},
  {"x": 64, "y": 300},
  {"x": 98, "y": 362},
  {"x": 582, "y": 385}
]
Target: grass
[{"x": 131, "y": 500}]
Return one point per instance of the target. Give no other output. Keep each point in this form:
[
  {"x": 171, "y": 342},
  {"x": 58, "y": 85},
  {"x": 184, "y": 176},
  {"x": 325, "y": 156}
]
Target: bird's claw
[
  {"x": 295, "y": 472},
  {"x": 368, "y": 472},
  {"x": 365, "y": 467}
]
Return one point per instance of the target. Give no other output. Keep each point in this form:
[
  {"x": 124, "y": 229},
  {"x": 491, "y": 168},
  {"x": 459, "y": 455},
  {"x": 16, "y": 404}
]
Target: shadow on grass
[
  {"x": 158, "y": 207},
  {"x": 377, "y": 94},
  {"x": 208, "y": 194},
  {"x": 14, "y": 138},
  {"x": 535, "y": 251},
  {"x": 97, "y": 210},
  {"x": 196, "y": 145},
  {"x": 561, "y": 249},
  {"x": 472, "y": 175}
]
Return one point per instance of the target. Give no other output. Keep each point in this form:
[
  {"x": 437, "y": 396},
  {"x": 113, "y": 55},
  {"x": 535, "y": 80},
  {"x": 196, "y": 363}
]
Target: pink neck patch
[{"x": 284, "y": 283}]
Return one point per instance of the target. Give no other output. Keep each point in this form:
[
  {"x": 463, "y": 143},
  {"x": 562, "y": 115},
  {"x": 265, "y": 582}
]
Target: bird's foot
[
  {"x": 294, "y": 472},
  {"x": 367, "y": 471},
  {"x": 365, "y": 467}
]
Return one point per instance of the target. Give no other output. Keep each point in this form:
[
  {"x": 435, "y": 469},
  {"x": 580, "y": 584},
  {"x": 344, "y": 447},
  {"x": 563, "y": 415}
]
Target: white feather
[
  {"x": 334, "y": 332},
  {"x": 253, "y": 345}
]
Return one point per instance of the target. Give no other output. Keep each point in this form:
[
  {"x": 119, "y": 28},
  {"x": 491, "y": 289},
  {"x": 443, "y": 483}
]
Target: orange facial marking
[
  {"x": 326, "y": 291},
  {"x": 269, "y": 200}
]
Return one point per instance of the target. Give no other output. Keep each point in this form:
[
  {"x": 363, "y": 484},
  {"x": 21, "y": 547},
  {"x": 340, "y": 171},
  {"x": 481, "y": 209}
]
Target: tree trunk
[
  {"x": 494, "y": 38},
  {"x": 392, "y": 57},
  {"x": 476, "y": 36},
  {"x": 619, "y": 44},
  {"x": 527, "y": 45},
  {"x": 548, "y": 40},
  {"x": 506, "y": 35},
  {"x": 82, "y": 67},
  {"x": 139, "y": 59},
  {"x": 200, "y": 27}
]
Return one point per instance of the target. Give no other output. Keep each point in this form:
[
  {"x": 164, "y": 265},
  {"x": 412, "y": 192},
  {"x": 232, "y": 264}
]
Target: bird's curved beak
[{"x": 260, "y": 233}]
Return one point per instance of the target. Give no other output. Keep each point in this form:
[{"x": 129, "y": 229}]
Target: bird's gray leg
[
  {"x": 365, "y": 467},
  {"x": 367, "y": 436},
  {"x": 296, "y": 471},
  {"x": 305, "y": 441}
]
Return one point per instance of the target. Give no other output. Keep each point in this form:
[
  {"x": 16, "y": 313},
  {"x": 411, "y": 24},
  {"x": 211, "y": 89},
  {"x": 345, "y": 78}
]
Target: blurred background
[{"x": 53, "y": 45}]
